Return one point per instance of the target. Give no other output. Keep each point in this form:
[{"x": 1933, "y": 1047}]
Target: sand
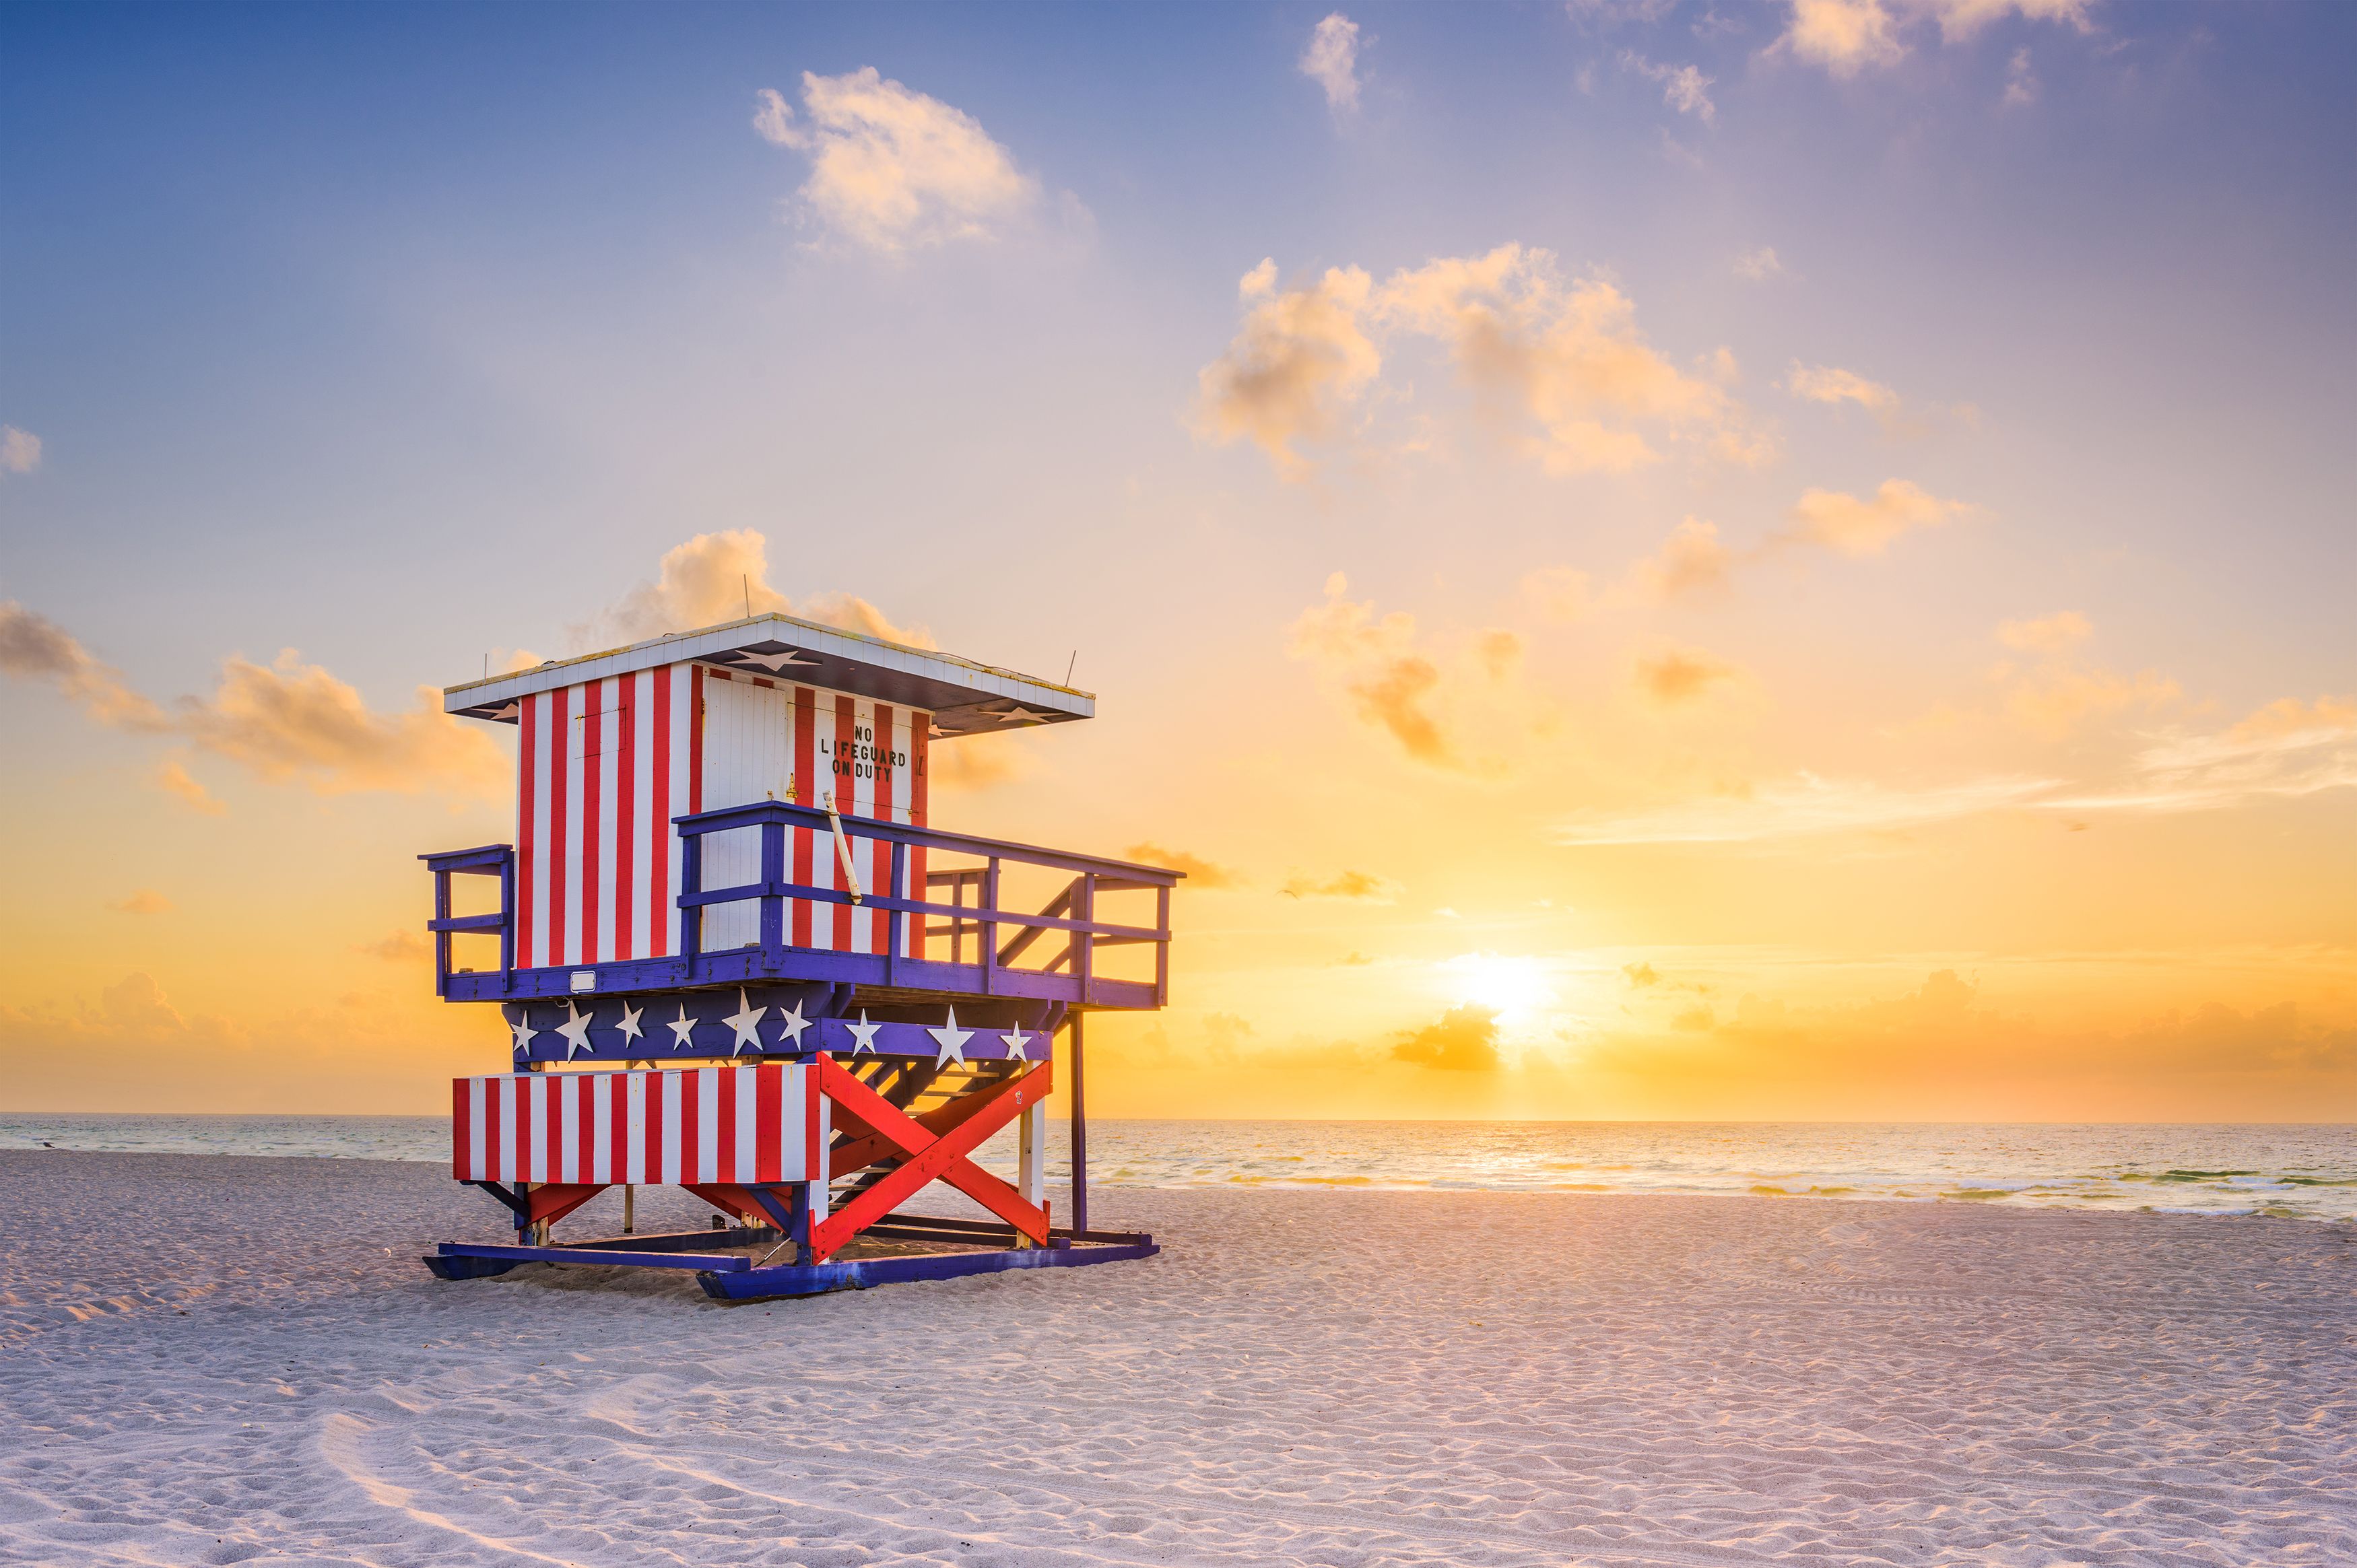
[{"x": 209, "y": 1360}]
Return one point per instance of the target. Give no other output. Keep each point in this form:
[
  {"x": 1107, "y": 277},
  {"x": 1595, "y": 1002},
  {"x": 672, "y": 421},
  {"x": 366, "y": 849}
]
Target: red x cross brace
[{"x": 931, "y": 1148}]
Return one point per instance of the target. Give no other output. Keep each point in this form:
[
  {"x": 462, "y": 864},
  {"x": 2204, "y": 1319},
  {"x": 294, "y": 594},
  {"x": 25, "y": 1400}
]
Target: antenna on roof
[
  {"x": 487, "y": 666},
  {"x": 1075, "y": 659},
  {"x": 747, "y": 580}
]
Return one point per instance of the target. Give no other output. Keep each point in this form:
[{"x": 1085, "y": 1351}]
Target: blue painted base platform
[{"x": 728, "y": 1277}]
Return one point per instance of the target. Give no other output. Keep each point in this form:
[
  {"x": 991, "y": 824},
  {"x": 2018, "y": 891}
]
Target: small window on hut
[{"x": 589, "y": 734}]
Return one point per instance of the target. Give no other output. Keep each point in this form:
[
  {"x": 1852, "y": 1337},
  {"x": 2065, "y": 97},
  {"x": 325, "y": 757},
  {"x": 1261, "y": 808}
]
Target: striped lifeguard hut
[{"x": 735, "y": 956}]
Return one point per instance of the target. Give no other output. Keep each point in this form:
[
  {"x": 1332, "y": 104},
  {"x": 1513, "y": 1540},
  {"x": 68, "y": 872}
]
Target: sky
[{"x": 1650, "y": 558}]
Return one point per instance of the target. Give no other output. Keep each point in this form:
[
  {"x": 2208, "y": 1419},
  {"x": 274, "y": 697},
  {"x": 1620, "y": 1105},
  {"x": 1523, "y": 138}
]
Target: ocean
[{"x": 2279, "y": 1172}]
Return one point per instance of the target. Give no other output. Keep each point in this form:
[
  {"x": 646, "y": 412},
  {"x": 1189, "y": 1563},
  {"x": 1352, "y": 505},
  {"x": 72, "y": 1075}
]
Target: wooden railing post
[
  {"x": 506, "y": 920},
  {"x": 441, "y": 938},
  {"x": 1085, "y": 910},
  {"x": 990, "y": 929},
  {"x": 773, "y": 907},
  {"x": 691, "y": 881},
  {"x": 896, "y": 922},
  {"x": 1080, "y": 1134}
]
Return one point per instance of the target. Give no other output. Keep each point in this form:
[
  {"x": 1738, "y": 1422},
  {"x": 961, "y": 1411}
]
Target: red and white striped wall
[
  {"x": 607, "y": 764},
  {"x": 756, "y": 1124}
]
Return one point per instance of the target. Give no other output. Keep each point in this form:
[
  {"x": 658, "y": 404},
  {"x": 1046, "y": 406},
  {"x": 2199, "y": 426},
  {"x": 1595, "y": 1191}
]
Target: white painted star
[
  {"x": 1015, "y": 1051},
  {"x": 524, "y": 1031},
  {"x": 683, "y": 1029},
  {"x": 951, "y": 1039},
  {"x": 575, "y": 1028},
  {"x": 747, "y": 1022},
  {"x": 791, "y": 1025},
  {"x": 1019, "y": 714},
  {"x": 862, "y": 1034},
  {"x": 512, "y": 710},
  {"x": 630, "y": 1026},
  {"x": 773, "y": 663}
]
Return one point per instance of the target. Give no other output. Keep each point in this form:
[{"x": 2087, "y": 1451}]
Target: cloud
[
  {"x": 1331, "y": 61},
  {"x": 1559, "y": 593},
  {"x": 1300, "y": 356},
  {"x": 1390, "y": 684},
  {"x": 1500, "y": 654},
  {"x": 145, "y": 901},
  {"x": 290, "y": 720},
  {"x": 1678, "y": 677},
  {"x": 978, "y": 762},
  {"x": 20, "y": 450},
  {"x": 1691, "y": 560},
  {"x": 1760, "y": 265},
  {"x": 1364, "y": 886},
  {"x": 34, "y": 647},
  {"x": 892, "y": 169},
  {"x": 398, "y": 947},
  {"x": 1847, "y": 35},
  {"x": 1641, "y": 975},
  {"x": 1844, "y": 36},
  {"x": 1465, "y": 1040},
  {"x": 718, "y": 577},
  {"x": 1684, "y": 87},
  {"x": 1843, "y": 524},
  {"x": 2020, "y": 81},
  {"x": 284, "y": 720},
  {"x": 2055, "y": 634},
  {"x": 1827, "y": 383},
  {"x": 174, "y": 780},
  {"x": 1566, "y": 357},
  {"x": 1801, "y": 806},
  {"x": 1200, "y": 872},
  {"x": 2285, "y": 751},
  {"x": 1602, "y": 14}
]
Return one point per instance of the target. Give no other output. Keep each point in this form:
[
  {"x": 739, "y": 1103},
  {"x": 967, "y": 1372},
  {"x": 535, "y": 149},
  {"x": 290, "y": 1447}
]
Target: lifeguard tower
[{"x": 736, "y": 957}]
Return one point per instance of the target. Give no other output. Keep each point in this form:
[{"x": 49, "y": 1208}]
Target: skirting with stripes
[{"x": 759, "y": 1123}]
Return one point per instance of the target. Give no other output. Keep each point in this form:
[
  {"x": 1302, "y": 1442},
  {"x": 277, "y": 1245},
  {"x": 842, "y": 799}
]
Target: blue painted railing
[{"x": 1000, "y": 936}]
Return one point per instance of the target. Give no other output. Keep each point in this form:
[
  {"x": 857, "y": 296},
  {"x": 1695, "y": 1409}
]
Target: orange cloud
[
  {"x": 1465, "y": 1040},
  {"x": 175, "y": 779},
  {"x": 1678, "y": 677},
  {"x": 1849, "y": 526},
  {"x": 1831, "y": 384},
  {"x": 1300, "y": 356},
  {"x": 292, "y": 720},
  {"x": 1363, "y": 885},
  {"x": 145, "y": 901},
  {"x": 1692, "y": 561},
  {"x": 1200, "y": 872},
  {"x": 34, "y": 647},
  {"x": 2053, "y": 635}
]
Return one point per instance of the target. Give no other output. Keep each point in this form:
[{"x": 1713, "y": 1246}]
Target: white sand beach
[{"x": 212, "y": 1360}]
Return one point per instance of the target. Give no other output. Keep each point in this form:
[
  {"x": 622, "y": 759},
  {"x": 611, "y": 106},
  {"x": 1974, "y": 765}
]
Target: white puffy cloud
[
  {"x": 1760, "y": 265},
  {"x": 723, "y": 576},
  {"x": 892, "y": 169},
  {"x": 1330, "y": 59}
]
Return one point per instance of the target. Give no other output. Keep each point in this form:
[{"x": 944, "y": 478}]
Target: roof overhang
[{"x": 964, "y": 697}]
